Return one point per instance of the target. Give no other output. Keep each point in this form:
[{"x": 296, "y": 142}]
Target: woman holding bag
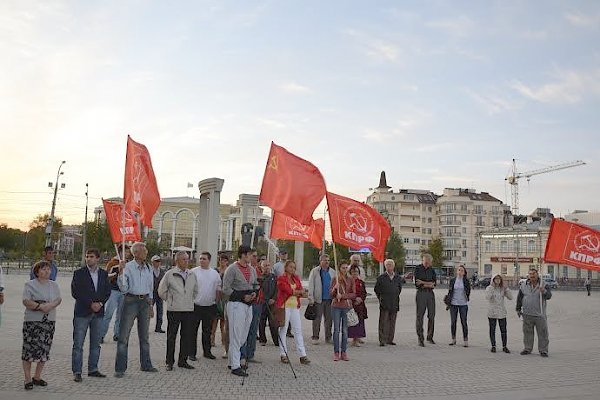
[
  {"x": 357, "y": 331},
  {"x": 343, "y": 292},
  {"x": 289, "y": 292}
]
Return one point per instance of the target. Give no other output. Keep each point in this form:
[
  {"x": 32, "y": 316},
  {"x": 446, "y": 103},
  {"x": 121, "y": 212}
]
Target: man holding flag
[{"x": 531, "y": 304}]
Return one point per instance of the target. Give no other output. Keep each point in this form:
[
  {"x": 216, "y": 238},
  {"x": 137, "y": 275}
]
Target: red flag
[
  {"x": 573, "y": 244},
  {"x": 357, "y": 225},
  {"x": 141, "y": 192},
  {"x": 284, "y": 227},
  {"x": 130, "y": 230},
  {"x": 291, "y": 185}
]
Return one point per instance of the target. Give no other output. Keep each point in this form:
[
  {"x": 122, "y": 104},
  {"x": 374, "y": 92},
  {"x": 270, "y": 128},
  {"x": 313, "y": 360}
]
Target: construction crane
[{"x": 513, "y": 178}]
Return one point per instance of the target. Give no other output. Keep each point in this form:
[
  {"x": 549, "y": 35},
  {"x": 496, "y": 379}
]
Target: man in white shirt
[{"x": 205, "y": 305}]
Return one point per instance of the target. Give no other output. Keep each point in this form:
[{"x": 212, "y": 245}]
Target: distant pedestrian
[
  {"x": 278, "y": 269},
  {"x": 49, "y": 255},
  {"x": 1, "y": 293},
  {"x": 531, "y": 304},
  {"x": 588, "y": 285},
  {"x": 289, "y": 292},
  {"x": 91, "y": 289},
  {"x": 343, "y": 293},
  {"x": 388, "y": 288},
  {"x": 425, "y": 281},
  {"x": 41, "y": 296},
  {"x": 495, "y": 294},
  {"x": 357, "y": 332},
  {"x": 459, "y": 291},
  {"x": 159, "y": 272}
]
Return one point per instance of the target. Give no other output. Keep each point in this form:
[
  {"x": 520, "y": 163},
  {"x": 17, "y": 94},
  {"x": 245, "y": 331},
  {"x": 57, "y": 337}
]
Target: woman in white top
[
  {"x": 458, "y": 296},
  {"x": 495, "y": 294}
]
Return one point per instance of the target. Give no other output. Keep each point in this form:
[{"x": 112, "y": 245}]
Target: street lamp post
[
  {"x": 85, "y": 221},
  {"x": 50, "y": 224}
]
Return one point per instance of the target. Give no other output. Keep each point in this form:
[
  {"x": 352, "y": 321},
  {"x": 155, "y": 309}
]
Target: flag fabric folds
[
  {"x": 573, "y": 244},
  {"x": 357, "y": 225},
  {"x": 141, "y": 191},
  {"x": 121, "y": 227},
  {"x": 291, "y": 185},
  {"x": 287, "y": 228}
]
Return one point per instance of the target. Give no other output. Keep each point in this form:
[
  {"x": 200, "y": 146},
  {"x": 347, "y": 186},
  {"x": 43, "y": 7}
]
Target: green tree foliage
[
  {"x": 436, "y": 249},
  {"x": 394, "y": 249},
  {"x": 98, "y": 236}
]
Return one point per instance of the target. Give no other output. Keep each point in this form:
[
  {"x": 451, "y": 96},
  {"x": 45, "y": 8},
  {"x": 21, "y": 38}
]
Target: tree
[
  {"x": 36, "y": 237},
  {"x": 436, "y": 249},
  {"x": 98, "y": 236},
  {"x": 394, "y": 249},
  {"x": 11, "y": 240}
]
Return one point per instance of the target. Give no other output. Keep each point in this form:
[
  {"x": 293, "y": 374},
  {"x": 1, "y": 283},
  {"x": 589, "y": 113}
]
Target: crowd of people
[{"x": 240, "y": 299}]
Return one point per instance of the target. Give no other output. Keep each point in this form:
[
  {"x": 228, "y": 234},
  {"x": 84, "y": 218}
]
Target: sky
[{"x": 436, "y": 93}]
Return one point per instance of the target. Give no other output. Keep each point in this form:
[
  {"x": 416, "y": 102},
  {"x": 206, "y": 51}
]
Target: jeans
[
  {"x": 134, "y": 308},
  {"x": 454, "y": 311},
  {"x": 114, "y": 303},
  {"x": 340, "y": 322},
  {"x": 250, "y": 347},
  {"x": 323, "y": 310},
  {"x": 206, "y": 316},
  {"x": 158, "y": 302},
  {"x": 175, "y": 319},
  {"x": 502, "y": 323},
  {"x": 80, "y": 328}
]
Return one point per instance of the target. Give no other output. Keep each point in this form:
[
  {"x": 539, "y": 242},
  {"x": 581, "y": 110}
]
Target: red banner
[
  {"x": 284, "y": 227},
  {"x": 141, "y": 191},
  {"x": 127, "y": 230},
  {"x": 291, "y": 185},
  {"x": 357, "y": 225},
  {"x": 573, "y": 244}
]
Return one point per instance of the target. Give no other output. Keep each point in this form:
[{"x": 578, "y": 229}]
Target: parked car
[{"x": 548, "y": 281}]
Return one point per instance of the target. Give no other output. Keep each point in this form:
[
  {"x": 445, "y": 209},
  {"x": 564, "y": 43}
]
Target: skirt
[
  {"x": 358, "y": 330},
  {"x": 37, "y": 340}
]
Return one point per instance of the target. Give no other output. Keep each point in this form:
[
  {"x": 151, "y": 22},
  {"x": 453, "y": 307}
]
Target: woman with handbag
[
  {"x": 459, "y": 291},
  {"x": 343, "y": 293},
  {"x": 289, "y": 292},
  {"x": 357, "y": 331},
  {"x": 41, "y": 296}
]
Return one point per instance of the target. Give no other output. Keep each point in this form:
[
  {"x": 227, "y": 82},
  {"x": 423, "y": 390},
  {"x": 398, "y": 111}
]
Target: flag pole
[
  {"x": 255, "y": 223},
  {"x": 123, "y": 232}
]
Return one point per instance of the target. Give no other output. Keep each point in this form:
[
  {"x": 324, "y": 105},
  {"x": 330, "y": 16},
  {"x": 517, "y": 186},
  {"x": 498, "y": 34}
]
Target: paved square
[{"x": 403, "y": 371}]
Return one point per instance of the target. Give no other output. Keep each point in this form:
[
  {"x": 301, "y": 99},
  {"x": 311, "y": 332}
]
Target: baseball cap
[{"x": 155, "y": 258}]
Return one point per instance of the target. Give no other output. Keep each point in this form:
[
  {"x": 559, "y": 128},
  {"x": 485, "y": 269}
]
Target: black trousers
[
  {"x": 502, "y": 324},
  {"x": 267, "y": 315},
  {"x": 425, "y": 302},
  {"x": 202, "y": 315},
  {"x": 181, "y": 321}
]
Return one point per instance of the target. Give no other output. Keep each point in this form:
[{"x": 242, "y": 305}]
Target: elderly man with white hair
[
  {"x": 137, "y": 283},
  {"x": 387, "y": 289}
]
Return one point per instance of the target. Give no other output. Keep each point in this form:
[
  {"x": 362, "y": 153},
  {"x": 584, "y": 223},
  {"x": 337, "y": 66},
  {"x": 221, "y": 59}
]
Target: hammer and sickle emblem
[{"x": 274, "y": 163}]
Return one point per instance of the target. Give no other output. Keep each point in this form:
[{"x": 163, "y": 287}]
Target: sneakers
[
  {"x": 304, "y": 360},
  {"x": 344, "y": 356},
  {"x": 336, "y": 356}
]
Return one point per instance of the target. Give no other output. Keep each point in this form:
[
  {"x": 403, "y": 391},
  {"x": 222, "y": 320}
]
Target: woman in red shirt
[{"x": 289, "y": 292}]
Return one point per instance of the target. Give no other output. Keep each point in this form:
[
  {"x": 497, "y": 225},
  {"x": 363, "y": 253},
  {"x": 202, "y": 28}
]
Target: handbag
[
  {"x": 311, "y": 312},
  {"x": 352, "y": 317},
  {"x": 279, "y": 314}
]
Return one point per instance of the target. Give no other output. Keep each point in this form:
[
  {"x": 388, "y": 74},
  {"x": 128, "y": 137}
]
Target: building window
[
  {"x": 429, "y": 209},
  {"x": 517, "y": 270},
  {"x": 503, "y": 269},
  {"x": 464, "y": 218},
  {"x": 429, "y": 231},
  {"x": 464, "y": 253},
  {"x": 406, "y": 240},
  {"x": 479, "y": 221},
  {"x": 429, "y": 219},
  {"x": 478, "y": 209},
  {"x": 488, "y": 246},
  {"x": 487, "y": 269},
  {"x": 578, "y": 272},
  {"x": 464, "y": 243},
  {"x": 417, "y": 241},
  {"x": 551, "y": 270},
  {"x": 464, "y": 230},
  {"x": 393, "y": 198},
  {"x": 531, "y": 246},
  {"x": 496, "y": 221},
  {"x": 503, "y": 246},
  {"x": 565, "y": 271}
]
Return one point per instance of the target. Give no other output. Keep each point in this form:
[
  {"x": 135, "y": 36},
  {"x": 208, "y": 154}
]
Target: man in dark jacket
[
  {"x": 266, "y": 297},
  {"x": 90, "y": 289},
  {"x": 387, "y": 289},
  {"x": 158, "y": 273}
]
